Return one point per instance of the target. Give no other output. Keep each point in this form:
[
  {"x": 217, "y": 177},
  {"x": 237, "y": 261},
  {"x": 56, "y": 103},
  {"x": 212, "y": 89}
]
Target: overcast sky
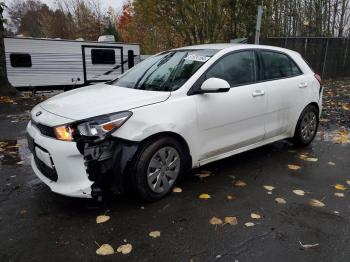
[{"x": 116, "y": 4}]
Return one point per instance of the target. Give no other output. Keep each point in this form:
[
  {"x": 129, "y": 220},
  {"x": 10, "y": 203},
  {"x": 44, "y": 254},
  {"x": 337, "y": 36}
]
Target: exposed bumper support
[{"x": 106, "y": 161}]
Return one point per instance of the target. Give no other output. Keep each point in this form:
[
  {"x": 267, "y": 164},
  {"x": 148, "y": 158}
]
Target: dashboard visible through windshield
[{"x": 165, "y": 72}]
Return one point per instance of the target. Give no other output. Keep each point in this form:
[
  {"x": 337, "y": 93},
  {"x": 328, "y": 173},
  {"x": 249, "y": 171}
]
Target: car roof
[{"x": 234, "y": 47}]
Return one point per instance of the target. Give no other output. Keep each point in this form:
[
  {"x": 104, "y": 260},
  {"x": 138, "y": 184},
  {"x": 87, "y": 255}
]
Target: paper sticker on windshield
[{"x": 198, "y": 58}]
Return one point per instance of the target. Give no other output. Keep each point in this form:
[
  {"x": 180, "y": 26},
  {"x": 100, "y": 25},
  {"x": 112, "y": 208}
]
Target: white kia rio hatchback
[{"x": 176, "y": 110}]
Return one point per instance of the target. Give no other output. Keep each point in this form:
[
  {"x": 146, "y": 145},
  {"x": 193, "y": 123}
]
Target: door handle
[
  {"x": 258, "y": 93},
  {"x": 302, "y": 85}
]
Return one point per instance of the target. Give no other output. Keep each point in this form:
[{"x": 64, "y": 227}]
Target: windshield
[{"x": 165, "y": 72}]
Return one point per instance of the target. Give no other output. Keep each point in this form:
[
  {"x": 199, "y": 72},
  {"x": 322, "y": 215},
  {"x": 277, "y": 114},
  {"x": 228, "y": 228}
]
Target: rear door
[
  {"x": 102, "y": 63},
  {"x": 283, "y": 81}
]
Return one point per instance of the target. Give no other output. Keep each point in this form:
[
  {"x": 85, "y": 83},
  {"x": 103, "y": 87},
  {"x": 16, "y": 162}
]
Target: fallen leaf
[
  {"x": 255, "y": 216},
  {"x": 154, "y": 234},
  {"x": 177, "y": 190},
  {"x": 269, "y": 192},
  {"x": 306, "y": 246},
  {"x": 331, "y": 163},
  {"x": 20, "y": 163},
  {"x": 23, "y": 211},
  {"x": 102, "y": 218},
  {"x": 340, "y": 187},
  {"x": 203, "y": 174},
  {"x": 230, "y": 197},
  {"x": 348, "y": 182},
  {"x": 311, "y": 159},
  {"x": 346, "y": 107},
  {"x": 105, "y": 250},
  {"x": 299, "y": 192},
  {"x": 280, "y": 200},
  {"x": 231, "y": 220},
  {"x": 204, "y": 196},
  {"x": 124, "y": 249},
  {"x": 240, "y": 183},
  {"x": 249, "y": 224},
  {"x": 303, "y": 156},
  {"x": 294, "y": 167},
  {"x": 269, "y": 188},
  {"x": 316, "y": 203},
  {"x": 337, "y": 194},
  {"x": 215, "y": 221}
]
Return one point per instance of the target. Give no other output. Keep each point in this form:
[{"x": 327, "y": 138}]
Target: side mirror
[{"x": 214, "y": 85}]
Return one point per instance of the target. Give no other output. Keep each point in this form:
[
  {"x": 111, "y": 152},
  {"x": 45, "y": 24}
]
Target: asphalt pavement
[{"x": 38, "y": 225}]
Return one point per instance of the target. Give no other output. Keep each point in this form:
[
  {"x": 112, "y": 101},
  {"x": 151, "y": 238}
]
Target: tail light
[{"x": 318, "y": 78}]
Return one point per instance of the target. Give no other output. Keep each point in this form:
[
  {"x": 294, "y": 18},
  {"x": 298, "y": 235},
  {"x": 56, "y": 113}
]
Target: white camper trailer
[{"x": 39, "y": 64}]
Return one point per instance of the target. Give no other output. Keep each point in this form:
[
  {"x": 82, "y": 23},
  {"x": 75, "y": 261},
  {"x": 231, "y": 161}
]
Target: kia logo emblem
[{"x": 38, "y": 113}]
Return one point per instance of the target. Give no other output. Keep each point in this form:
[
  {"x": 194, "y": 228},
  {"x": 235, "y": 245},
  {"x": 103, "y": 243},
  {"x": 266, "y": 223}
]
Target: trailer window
[
  {"x": 20, "y": 60},
  {"x": 103, "y": 56}
]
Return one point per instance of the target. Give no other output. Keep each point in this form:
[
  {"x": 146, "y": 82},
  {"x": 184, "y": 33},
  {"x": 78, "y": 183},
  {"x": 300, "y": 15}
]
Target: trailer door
[{"x": 102, "y": 63}]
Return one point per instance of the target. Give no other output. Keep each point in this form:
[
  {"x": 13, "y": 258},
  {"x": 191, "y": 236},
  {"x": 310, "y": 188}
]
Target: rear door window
[
  {"x": 277, "y": 65},
  {"x": 237, "y": 68}
]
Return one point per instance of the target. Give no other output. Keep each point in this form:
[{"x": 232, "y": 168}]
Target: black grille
[
  {"x": 45, "y": 170},
  {"x": 45, "y": 130}
]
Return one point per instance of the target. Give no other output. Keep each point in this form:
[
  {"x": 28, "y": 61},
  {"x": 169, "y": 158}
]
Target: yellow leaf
[
  {"x": 204, "y": 196},
  {"x": 337, "y": 194},
  {"x": 255, "y": 216},
  {"x": 102, "y": 219},
  {"x": 269, "y": 188},
  {"x": 340, "y": 187},
  {"x": 299, "y": 192},
  {"x": 177, "y": 190},
  {"x": 240, "y": 183},
  {"x": 294, "y": 167},
  {"x": 124, "y": 249},
  {"x": 316, "y": 203},
  {"x": 346, "y": 107},
  {"x": 280, "y": 200},
  {"x": 105, "y": 250},
  {"x": 231, "y": 220},
  {"x": 215, "y": 221},
  {"x": 249, "y": 224},
  {"x": 154, "y": 234}
]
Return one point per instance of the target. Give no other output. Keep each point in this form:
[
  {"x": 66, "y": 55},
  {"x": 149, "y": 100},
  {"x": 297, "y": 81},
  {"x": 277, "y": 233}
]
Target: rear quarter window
[{"x": 277, "y": 65}]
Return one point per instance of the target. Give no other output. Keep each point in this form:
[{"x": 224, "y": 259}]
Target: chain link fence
[{"x": 329, "y": 57}]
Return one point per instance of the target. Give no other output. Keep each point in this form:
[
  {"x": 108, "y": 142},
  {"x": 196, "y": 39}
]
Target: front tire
[
  {"x": 307, "y": 125},
  {"x": 157, "y": 167}
]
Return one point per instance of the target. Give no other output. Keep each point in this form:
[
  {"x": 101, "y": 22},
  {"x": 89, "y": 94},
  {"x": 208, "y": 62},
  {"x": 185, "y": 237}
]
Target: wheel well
[
  {"x": 315, "y": 105},
  {"x": 177, "y": 137}
]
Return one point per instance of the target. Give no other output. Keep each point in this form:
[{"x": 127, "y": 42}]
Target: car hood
[{"x": 100, "y": 99}]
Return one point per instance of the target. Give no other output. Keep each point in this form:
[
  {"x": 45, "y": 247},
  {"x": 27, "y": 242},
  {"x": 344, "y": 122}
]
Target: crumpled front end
[{"x": 106, "y": 160}]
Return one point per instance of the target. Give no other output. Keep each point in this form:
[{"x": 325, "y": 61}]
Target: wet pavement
[{"x": 37, "y": 225}]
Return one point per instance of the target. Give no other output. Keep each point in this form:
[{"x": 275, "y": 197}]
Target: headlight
[{"x": 102, "y": 125}]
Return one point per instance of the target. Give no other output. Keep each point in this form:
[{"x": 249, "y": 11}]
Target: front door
[{"x": 228, "y": 121}]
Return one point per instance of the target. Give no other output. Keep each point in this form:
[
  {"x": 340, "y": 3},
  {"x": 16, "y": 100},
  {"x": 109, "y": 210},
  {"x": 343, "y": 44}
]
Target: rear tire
[
  {"x": 307, "y": 125},
  {"x": 156, "y": 168}
]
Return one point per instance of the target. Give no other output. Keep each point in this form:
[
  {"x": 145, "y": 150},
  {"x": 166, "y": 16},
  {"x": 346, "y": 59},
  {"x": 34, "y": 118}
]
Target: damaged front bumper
[
  {"x": 86, "y": 168},
  {"x": 106, "y": 161}
]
